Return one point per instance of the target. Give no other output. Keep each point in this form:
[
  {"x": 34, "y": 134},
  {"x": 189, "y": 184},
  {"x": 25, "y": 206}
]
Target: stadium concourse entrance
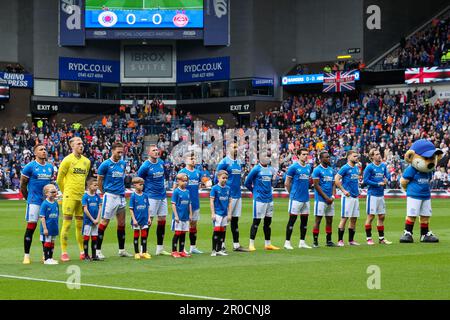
[{"x": 235, "y": 113}]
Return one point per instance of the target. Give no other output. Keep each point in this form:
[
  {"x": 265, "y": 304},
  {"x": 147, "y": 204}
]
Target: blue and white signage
[
  {"x": 89, "y": 70},
  {"x": 203, "y": 70},
  {"x": 262, "y": 82},
  {"x": 306, "y": 79},
  {"x": 17, "y": 80}
]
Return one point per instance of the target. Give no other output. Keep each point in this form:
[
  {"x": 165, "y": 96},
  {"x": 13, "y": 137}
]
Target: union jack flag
[
  {"x": 426, "y": 75},
  {"x": 339, "y": 82}
]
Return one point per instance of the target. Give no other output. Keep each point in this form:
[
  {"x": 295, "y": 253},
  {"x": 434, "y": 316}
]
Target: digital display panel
[{"x": 143, "y": 14}]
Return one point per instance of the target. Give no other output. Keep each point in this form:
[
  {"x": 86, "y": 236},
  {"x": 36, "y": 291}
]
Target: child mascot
[{"x": 422, "y": 158}]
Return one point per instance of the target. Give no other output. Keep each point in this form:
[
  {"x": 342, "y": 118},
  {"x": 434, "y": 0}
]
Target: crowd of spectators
[
  {"x": 14, "y": 68},
  {"x": 391, "y": 121},
  {"x": 427, "y": 48}
]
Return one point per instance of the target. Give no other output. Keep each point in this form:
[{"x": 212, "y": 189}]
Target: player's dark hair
[
  {"x": 322, "y": 153},
  {"x": 37, "y": 146},
  {"x": 117, "y": 144},
  {"x": 90, "y": 181},
  {"x": 302, "y": 149},
  {"x": 349, "y": 153},
  {"x": 372, "y": 153}
]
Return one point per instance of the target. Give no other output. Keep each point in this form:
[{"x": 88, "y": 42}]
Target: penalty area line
[{"x": 7, "y": 276}]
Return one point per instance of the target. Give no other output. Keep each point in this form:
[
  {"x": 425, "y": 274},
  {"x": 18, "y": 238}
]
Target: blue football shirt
[
  {"x": 221, "y": 197},
  {"x": 181, "y": 199},
  {"x": 350, "y": 179},
  {"x": 39, "y": 176},
  {"x": 93, "y": 203},
  {"x": 419, "y": 183},
  {"x": 50, "y": 211},
  {"x": 326, "y": 180},
  {"x": 193, "y": 186},
  {"x": 153, "y": 175},
  {"x": 114, "y": 176},
  {"x": 300, "y": 181}
]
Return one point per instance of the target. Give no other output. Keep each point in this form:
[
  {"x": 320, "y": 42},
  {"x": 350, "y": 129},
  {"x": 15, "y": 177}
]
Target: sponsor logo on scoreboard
[
  {"x": 107, "y": 19},
  {"x": 180, "y": 19}
]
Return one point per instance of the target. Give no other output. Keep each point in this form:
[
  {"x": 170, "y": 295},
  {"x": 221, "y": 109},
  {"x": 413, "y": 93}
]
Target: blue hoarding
[
  {"x": 306, "y": 79},
  {"x": 71, "y": 23},
  {"x": 17, "y": 80},
  {"x": 217, "y": 23},
  {"x": 262, "y": 82},
  {"x": 89, "y": 70},
  {"x": 203, "y": 70}
]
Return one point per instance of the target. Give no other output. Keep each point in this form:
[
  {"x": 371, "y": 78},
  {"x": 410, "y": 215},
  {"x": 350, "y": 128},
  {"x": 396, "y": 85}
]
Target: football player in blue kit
[
  {"x": 325, "y": 188},
  {"x": 233, "y": 167},
  {"x": 375, "y": 176},
  {"x": 194, "y": 181},
  {"x": 140, "y": 220},
  {"x": 152, "y": 171},
  {"x": 349, "y": 174},
  {"x": 220, "y": 203},
  {"x": 297, "y": 184},
  {"x": 111, "y": 182},
  {"x": 181, "y": 216},
  {"x": 91, "y": 203},
  {"x": 35, "y": 175},
  {"x": 259, "y": 182}
]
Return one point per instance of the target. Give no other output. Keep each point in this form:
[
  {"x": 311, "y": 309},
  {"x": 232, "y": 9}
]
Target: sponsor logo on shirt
[
  {"x": 184, "y": 202},
  {"x": 79, "y": 171},
  {"x": 117, "y": 174},
  {"x": 140, "y": 207},
  {"x": 327, "y": 178},
  {"x": 422, "y": 181},
  {"x": 158, "y": 174},
  {"x": 44, "y": 176},
  {"x": 303, "y": 176}
]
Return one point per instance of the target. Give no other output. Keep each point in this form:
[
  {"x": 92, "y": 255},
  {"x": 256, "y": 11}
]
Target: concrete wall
[
  {"x": 8, "y": 30},
  {"x": 327, "y": 28}
]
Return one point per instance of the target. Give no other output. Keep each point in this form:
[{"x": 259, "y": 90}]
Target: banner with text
[
  {"x": 91, "y": 70},
  {"x": 17, "y": 80},
  {"x": 211, "y": 69}
]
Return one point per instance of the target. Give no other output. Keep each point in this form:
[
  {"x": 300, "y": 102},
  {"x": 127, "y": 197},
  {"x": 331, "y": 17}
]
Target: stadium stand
[
  {"x": 428, "y": 47},
  {"x": 389, "y": 120}
]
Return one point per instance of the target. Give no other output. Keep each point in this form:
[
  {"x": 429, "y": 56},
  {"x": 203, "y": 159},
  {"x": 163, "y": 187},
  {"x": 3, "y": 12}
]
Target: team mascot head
[{"x": 423, "y": 156}]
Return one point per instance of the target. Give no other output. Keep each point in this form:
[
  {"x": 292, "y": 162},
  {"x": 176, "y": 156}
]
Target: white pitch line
[{"x": 113, "y": 288}]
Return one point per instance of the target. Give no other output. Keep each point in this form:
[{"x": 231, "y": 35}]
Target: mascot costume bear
[{"x": 422, "y": 158}]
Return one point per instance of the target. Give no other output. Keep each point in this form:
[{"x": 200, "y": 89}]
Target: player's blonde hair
[
  {"x": 72, "y": 140},
  {"x": 137, "y": 180},
  {"x": 221, "y": 173},
  {"x": 181, "y": 176},
  {"x": 47, "y": 187}
]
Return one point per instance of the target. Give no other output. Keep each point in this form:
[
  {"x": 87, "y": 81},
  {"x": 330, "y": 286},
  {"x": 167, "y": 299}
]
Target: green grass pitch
[
  {"x": 144, "y": 4},
  {"x": 408, "y": 271}
]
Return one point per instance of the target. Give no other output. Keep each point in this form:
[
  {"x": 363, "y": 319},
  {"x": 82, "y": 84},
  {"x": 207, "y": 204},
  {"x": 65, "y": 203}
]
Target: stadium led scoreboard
[
  {"x": 143, "y": 19},
  {"x": 146, "y": 14}
]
